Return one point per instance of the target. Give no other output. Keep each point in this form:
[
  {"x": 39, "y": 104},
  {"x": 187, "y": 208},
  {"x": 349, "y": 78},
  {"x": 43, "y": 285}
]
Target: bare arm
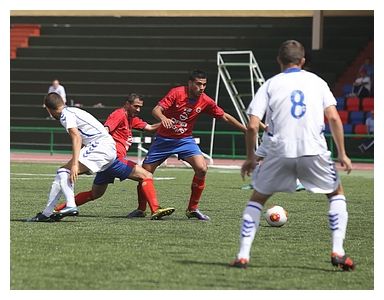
[
  {"x": 151, "y": 127},
  {"x": 76, "y": 146},
  {"x": 157, "y": 112},
  {"x": 231, "y": 120},
  {"x": 250, "y": 142},
  {"x": 338, "y": 136}
]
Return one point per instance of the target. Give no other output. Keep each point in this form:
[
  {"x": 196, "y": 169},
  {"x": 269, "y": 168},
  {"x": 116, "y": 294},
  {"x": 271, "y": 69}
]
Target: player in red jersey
[
  {"x": 120, "y": 124},
  {"x": 178, "y": 112}
]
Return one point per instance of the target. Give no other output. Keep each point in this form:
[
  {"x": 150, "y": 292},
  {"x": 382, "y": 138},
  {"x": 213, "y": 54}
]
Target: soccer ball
[{"x": 276, "y": 216}]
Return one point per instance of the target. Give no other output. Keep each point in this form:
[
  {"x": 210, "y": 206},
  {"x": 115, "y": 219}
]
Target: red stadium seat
[
  {"x": 344, "y": 116},
  {"x": 352, "y": 104},
  {"x": 367, "y": 104},
  {"x": 360, "y": 129}
]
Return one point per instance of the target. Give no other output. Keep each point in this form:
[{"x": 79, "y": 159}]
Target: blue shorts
[
  {"x": 118, "y": 169},
  {"x": 162, "y": 148}
]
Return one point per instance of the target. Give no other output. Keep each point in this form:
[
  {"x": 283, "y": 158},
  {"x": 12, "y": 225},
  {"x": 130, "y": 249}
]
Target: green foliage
[{"x": 101, "y": 249}]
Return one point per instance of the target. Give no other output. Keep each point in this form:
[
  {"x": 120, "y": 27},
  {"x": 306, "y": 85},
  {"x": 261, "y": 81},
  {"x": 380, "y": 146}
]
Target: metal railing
[{"x": 231, "y": 144}]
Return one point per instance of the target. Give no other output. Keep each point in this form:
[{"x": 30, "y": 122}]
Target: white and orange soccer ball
[{"x": 276, "y": 216}]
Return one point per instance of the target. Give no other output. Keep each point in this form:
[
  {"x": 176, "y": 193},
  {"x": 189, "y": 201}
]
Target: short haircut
[
  {"x": 291, "y": 52},
  {"x": 53, "y": 101},
  {"x": 197, "y": 74},
  {"x": 132, "y": 96}
]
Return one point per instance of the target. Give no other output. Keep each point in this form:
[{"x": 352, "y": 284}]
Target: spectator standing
[{"x": 57, "y": 88}]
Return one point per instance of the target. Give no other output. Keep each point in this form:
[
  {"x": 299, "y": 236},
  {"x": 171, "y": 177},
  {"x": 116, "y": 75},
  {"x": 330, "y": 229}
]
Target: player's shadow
[{"x": 251, "y": 266}]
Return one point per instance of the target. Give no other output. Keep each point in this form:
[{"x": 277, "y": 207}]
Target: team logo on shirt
[{"x": 198, "y": 110}]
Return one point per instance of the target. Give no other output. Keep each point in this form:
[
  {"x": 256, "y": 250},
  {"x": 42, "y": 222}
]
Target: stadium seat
[
  {"x": 360, "y": 129},
  {"x": 348, "y": 128},
  {"x": 367, "y": 104},
  {"x": 356, "y": 117},
  {"x": 340, "y": 103},
  {"x": 347, "y": 89},
  {"x": 344, "y": 116},
  {"x": 352, "y": 104}
]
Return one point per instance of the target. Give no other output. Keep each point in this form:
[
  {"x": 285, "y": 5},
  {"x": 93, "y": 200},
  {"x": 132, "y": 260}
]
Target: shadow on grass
[{"x": 205, "y": 263}]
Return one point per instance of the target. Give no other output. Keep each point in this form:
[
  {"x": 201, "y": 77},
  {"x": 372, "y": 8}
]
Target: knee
[{"x": 201, "y": 172}]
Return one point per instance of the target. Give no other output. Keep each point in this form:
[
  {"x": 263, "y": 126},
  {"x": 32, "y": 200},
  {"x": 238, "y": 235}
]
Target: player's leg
[
  {"x": 250, "y": 224},
  {"x": 148, "y": 192},
  {"x": 83, "y": 197},
  {"x": 275, "y": 174},
  {"x": 338, "y": 221},
  {"x": 319, "y": 175},
  {"x": 200, "y": 168}
]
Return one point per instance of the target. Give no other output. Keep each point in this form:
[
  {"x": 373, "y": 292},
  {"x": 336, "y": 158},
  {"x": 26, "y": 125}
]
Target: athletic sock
[
  {"x": 250, "y": 224},
  {"x": 142, "y": 203},
  {"x": 67, "y": 187},
  {"x": 53, "y": 196},
  {"x": 338, "y": 220},
  {"x": 197, "y": 188},
  {"x": 149, "y": 194}
]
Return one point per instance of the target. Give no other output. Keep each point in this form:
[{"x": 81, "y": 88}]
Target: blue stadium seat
[
  {"x": 356, "y": 117},
  {"x": 348, "y": 128},
  {"x": 340, "y": 103},
  {"x": 347, "y": 89}
]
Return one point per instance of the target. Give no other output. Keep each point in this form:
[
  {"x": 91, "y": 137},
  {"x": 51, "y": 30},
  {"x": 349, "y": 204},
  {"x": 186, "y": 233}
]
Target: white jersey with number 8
[{"x": 294, "y": 103}]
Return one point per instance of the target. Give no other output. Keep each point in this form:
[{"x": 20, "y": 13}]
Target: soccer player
[
  {"x": 119, "y": 124},
  {"x": 98, "y": 153},
  {"x": 295, "y": 102},
  {"x": 178, "y": 112}
]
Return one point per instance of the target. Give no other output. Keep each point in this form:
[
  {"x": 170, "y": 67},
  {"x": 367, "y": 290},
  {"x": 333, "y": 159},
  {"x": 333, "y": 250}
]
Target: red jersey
[
  {"x": 120, "y": 127},
  {"x": 184, "y": 111}
]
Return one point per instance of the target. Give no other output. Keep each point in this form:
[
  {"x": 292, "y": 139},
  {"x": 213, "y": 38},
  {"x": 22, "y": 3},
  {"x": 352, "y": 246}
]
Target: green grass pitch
[{"x": 101, "y": 249}]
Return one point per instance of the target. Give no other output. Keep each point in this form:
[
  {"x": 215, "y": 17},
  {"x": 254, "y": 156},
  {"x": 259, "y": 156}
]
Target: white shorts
[
  {"x": 317, "y": 174},
  {"x": 98, "y": 155}
]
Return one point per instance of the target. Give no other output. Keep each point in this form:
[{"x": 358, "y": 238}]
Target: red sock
[
  {"x": 142, "y": 203},
  {"x": 197, "y": 187},
  {"x": 80, "y": 199},
  {"x": 149, "y": 194}
]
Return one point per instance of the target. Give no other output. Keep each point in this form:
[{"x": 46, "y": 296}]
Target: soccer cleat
[
  {"x": 241, "y": 263},
  {"x": 40, "y": 217},
  {"x": 196, "y": 214},
  {"x": 137, "y": 213},
  {"x": 162, "y": 212},
  {"x": 343, "y": 262},
  {"x": 65, "y": 212},
  {"x": 300, "y": 187}
]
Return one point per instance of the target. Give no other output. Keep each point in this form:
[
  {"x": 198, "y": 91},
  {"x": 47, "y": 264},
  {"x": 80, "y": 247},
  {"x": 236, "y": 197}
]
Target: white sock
[
  {"x": 53, "y": 197},
  {"x": 338, "y": 219},
  {"x": 250, "y": 224},
  {"x": 60, "y": 184},
  {"x": 67, "y": 187}
]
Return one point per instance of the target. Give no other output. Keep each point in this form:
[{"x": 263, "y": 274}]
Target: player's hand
[
  {"x": 74, "y": 173},
  {"x": 346, "y": 163},
  {"x": 167, "y": 123},
  {"x": 247, "y": 168}
]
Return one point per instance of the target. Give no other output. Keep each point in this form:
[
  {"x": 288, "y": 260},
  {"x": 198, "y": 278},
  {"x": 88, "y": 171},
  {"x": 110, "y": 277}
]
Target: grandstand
[{"x": 102, "y": 59}]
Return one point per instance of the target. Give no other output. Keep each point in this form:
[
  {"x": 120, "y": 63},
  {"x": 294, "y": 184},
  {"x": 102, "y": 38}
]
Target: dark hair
[
  {"x": 132, "y": 96},
  {"x": 197, "y": 74},
  {"x": 291, "y": 52},
  {"x": 53, "y": 101}
]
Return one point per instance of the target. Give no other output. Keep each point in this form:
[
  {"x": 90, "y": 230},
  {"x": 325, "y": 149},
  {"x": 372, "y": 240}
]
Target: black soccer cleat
[
  {"x": 40, "y": 217},
  {"x": 344, "y": 263}
]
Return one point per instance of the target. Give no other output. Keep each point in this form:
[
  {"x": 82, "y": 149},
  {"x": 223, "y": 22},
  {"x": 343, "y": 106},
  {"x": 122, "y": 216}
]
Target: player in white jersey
[
  {"x": 294, "y": 103},
  {"x": 98, "y": 153}
]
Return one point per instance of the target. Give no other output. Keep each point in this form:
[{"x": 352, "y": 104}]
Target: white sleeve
[
  {"x": 68, "y": 120},
  {"x": 259, "y": 103},
  {"x": 328, "y": 98}
]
